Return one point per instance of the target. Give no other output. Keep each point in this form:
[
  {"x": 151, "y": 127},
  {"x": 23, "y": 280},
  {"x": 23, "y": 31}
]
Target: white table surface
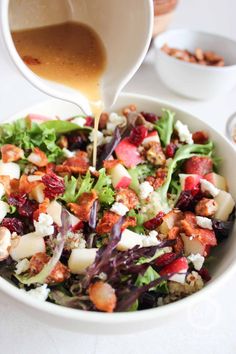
[{"x": 209, "y": 328}]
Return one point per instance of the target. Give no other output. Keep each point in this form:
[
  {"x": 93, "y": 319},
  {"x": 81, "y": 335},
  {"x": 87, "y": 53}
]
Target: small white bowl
[
  {"x": 194, "y": 80},
  {"x": 127, "y": 322}
]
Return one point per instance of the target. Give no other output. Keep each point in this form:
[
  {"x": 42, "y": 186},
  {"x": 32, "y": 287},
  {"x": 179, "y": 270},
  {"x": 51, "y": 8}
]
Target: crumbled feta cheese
[
  {"x": 197, "y": 260},
  {"x": 22, "y": 266},
  {"x": 44, "y": 225},
  {"x": 145, "y": 189},
  {"x": 5, "y": 242},
  {"x": 68, "y": 153},
  {"x": 151, "y": 239},
  {"x": 92, "y": 169},
  {"x": 40, "y": 293},
  {"x": 2, "y": 190},
  {"x": 115, "y": 120},
  {"x": 119, "y": 208},
  {"x": 79, "y": 121},
  {"x": 153, "y": 233},
  {"x": 204, "y": 222},
  {"x": 160, "y": 301},
  {"x": 179, "y": 277},
  {"x": 207, "y": 186},
  {"x": 184, "y": 134},
  {"x": 100, "y": 137}
]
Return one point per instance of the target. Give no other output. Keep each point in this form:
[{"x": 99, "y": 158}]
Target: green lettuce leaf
[
  {"x": 61, "y": 126},
  {"x": 147, "y": 277},
  {"x": 103, "y": 188},
  {"x": 28, "y": 135},
  {"x": 165, "y": 126},
  {"x": 139, "y": 174},
  {"x": 139, "y": 228},
  {"x": 75, "y": 187}
]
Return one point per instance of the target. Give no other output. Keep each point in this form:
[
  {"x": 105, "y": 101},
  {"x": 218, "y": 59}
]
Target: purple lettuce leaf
[
  {"x": 108, "y": 149},
  {"x": 93, "y": 215}
]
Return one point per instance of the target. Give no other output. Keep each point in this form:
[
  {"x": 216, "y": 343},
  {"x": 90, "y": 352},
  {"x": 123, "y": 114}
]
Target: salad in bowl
[{"x": 134, "y": 232}]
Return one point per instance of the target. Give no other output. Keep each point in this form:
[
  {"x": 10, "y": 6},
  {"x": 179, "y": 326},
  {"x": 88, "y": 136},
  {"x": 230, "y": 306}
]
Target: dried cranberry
[
  {"x": 165, "y": 259},
  {"x": 170, "y": 150},
  {"x": 54, "y": 186},
  {"x": 155, "y": 222},
  {"x": 28, "y": 208},
  {"x": 76, "y": 141},
  {"x": 200, "y": 137},
  {"x": 89, "y": 121},
  {"x": 204, "y": 274},
  {"x": 17, "y": 199},
  {"x": 188, "y": 199},
  {"x": 185, "y": 201},
  {"x": 150, "y": 117},
  {"x": 13, "y": 225},
  {"x": 138, "y": 134}
]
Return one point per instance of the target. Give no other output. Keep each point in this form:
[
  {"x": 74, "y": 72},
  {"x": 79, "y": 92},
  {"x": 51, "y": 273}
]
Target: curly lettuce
[
  {"x": 74, "y": 187},
  {"x": 165, "y": 126}
]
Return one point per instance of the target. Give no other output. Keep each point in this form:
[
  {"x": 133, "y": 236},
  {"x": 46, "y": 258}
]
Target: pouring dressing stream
[{"x": 71, "y": 54}]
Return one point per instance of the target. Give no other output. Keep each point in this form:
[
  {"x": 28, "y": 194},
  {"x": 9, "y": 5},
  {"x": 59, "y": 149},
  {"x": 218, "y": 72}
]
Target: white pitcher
[{"x": 125, "y": 27}]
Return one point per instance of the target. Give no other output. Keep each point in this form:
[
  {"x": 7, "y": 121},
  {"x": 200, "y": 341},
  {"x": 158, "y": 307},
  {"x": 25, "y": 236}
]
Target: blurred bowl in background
[
  {"x": 163, "y": 12},
  {"x": 195, "y": 80}
]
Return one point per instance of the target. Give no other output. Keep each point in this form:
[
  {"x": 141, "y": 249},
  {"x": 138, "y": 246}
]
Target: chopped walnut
[{"x": 206, "y": 207}]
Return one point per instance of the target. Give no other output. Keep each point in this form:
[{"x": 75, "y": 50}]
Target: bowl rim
[
  {"x": 194, "y": 65},
  {"x": 123, "y": 317}
]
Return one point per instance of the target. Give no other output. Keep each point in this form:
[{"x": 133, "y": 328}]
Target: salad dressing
[{"x": 71, "y": 54}]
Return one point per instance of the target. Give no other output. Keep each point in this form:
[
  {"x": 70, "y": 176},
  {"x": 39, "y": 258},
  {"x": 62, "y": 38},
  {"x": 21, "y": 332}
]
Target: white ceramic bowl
[
  {"x": 118, "y": 323},
  {"x": 194, "y": 80}
]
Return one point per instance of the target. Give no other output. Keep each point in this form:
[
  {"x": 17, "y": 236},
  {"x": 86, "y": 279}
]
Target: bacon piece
[
  {"x": 128, "y": 197},
  {"x": 25, "y": 186},
  {"x": 38, "y": 158},
  {"x": 11, "y": 153},
  {"x": 83, "y": 206},
  {"x": 59, "y": 273},
  {"x": 109, "y": 219},
  {"x": 190, "y": 228},
  {"x": 103, "y": 296},
  {"x": 42, "y": 208},
  {"x": 173, "y": 234},
  {"x": 76, "y": 164}
]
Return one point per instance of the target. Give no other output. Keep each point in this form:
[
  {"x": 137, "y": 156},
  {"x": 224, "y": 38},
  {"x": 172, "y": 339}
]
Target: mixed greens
[{"x": 131, "y": 233}]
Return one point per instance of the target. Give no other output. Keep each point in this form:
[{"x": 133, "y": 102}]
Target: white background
[{"x": 209, "y": 327}]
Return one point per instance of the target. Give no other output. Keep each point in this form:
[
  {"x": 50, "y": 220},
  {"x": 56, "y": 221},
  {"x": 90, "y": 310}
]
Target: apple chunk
[
  {"x": 54, "y": 210},
  {"x": 10, "y": 169},
  {"x": 80, "y": 259},
  {"x": 225, "y": 205},
  {"x": 128, "y": 153},
  {"x": 189, "y": 181},
  {"x": 218, "y": 181},
  {"x": 120, "y": 177},
  {"x": 151, "y": 137},
  {"x": 169, "y": 221},
  {"x": 4, "y": 209},
  {"x": 194, "y": 246},
  {"x": 27, "y": 246}
]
